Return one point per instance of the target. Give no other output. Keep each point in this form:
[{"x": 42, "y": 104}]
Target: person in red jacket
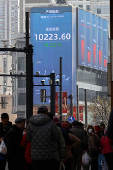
[
  {"x": 106, "y": 145},
  {"x": 27, "y": 146}
]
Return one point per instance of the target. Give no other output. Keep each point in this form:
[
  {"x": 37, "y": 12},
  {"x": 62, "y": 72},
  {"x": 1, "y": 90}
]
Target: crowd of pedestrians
[{"x": 47, "y": 143}]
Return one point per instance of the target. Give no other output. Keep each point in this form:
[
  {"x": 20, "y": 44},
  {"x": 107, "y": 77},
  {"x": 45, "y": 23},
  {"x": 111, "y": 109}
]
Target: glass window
[
  {"x": 98, "y": 10},
  {"x": 88, "y": 7},
  {"x": 21, "y": 63},
  {"x": 3, "y": 102},
  {"x": 21, "y": 83},
  {"x": 5, "y": 65},
  {"x": 81, "y": 6},
  {"x": 21, "y": 98}
]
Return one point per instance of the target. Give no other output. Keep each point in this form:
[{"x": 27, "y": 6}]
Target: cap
[
  {"x": 20, "y": 120},
  {"x": 56, "y": 120},
  {"x": 42, "y": 109},
  {"x": 4, "y": 115}
]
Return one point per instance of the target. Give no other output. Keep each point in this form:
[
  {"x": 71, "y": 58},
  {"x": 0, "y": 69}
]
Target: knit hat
[
  {"x": 97, "y": 128},
  {"x": 56, "y": 120},
  {"x": 65, "y": 125}
]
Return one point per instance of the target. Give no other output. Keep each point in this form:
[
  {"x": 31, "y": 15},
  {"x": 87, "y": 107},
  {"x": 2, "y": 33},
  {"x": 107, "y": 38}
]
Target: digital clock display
[{"x": 51, "y": 32}]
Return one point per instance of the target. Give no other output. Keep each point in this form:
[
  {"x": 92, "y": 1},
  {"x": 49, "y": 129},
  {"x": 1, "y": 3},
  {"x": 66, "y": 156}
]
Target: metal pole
[
  {"x": 111, "y": 49},
  {"x": 77, "y": 103},
  {"x": 27, "y": 29},
  {"x": 85, "y": 107},
  {"x": 29, "y": 73},
  {"x": 52, "y": 96},
  {"x": 60, "y": 99}
]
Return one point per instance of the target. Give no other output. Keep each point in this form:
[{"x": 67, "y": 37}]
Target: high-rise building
[{"x": 8, "y": 33}]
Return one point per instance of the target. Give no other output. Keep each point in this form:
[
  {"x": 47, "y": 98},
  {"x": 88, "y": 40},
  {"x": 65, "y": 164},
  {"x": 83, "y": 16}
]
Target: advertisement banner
[
  {"x": 56, "y": 102},
  {"x": 81, "y": 36},
  {"x": 64, "y": 103},
  {"x": 105, "y": 45},
  {"x": 100, "y": 40},
  {"x": 74, "y": 112},
  {"x": 94, "y": 41},
  {"x": 81, "y": 113},
  {"x": 88, "y": 38}
]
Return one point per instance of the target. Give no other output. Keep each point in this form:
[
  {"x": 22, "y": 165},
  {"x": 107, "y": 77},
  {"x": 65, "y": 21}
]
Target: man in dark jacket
[
  {"x": 79, "y": 132},
  {"x": 42, "y": 133},
  {"x": 13, "y": 142},
  {"x": 5, "y": 125}
]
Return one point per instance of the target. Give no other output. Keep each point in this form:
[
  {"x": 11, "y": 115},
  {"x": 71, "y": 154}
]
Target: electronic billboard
[
  {"x": 52, "y": 34},
  {"x": 92, "y": 40}
]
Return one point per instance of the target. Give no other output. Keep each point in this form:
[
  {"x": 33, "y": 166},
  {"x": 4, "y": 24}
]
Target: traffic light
[{"x": 43, "y": 95}]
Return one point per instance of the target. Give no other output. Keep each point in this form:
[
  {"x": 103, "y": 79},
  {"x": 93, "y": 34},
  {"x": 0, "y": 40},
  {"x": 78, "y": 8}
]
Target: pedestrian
[
  {"x": 41, "y": 133},
  {"x": 79, "y": 132},
  {"x": 69, "y": 148},
  {"x": 60, "y": 148},
  {"x": 102, "y": 129},
  {"x": 27, "y": 146},
  {"x": 5, "y": 125},
  {"x": 66, "y": 136},
  {"x": 98, "y": 131},
  {"x": 107, "y": 150},
  {"x": 93, "y": 146},
  {"x": 13, "y": 142}
]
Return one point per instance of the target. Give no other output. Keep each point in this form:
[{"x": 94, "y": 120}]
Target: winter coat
[
  {"x": 42, "y": 133},
  {"x": 79, "y": 133},
  {"x": 106, "y": 145},
  {"x": 27, "y": 147},
  {"x": 75, "y": 143},
  {"x": 3, "y": 130},
  {"x": 93, "y": 145},
  {"x": 109, "y": 132},
  {"x": 14, "y": 150},
  {"x": 60, "y": 148}
]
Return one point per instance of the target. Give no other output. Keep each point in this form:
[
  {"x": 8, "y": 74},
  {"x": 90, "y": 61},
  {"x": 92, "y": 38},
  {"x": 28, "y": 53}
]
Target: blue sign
[
  {"x": 51, "y": 36},
  {"x": 71, "y": 119}
]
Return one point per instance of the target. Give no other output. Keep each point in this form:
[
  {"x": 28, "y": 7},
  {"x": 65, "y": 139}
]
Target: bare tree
[{"x": 101, "y": 109}]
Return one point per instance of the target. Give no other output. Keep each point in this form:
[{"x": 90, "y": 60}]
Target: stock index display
[{"x": 52, "y": 35}]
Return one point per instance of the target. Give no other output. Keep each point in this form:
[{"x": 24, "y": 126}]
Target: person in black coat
[
  {"x": 109, "y": 131},
  {"x": 5, "y": 125},
  {"x": 13, "y": 142}
]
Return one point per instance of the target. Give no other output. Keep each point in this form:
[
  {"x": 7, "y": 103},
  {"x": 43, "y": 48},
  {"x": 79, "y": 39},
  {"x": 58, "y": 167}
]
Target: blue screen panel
[
  {"x": 100, "y": 39},
  {"x": 88, "y": 39},
  {"x": 51, "y": 37},
  {"x": 81, "y": 37},
  {"x": 94, "y": 42},
  {"x": 105, "y": 45}
]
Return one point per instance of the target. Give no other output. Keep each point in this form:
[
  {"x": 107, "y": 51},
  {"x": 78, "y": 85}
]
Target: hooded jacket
[
  {"x": 42, "y": 132},
  {"x": 106, "y": 145},
  {"x": 93, "y": 142}
]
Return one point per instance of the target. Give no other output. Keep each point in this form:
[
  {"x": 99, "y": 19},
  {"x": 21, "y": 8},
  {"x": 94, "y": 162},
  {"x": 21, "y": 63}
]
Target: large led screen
[
  {"x": 51, "y": 36},
  {"x": 92, "y": 40}
]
